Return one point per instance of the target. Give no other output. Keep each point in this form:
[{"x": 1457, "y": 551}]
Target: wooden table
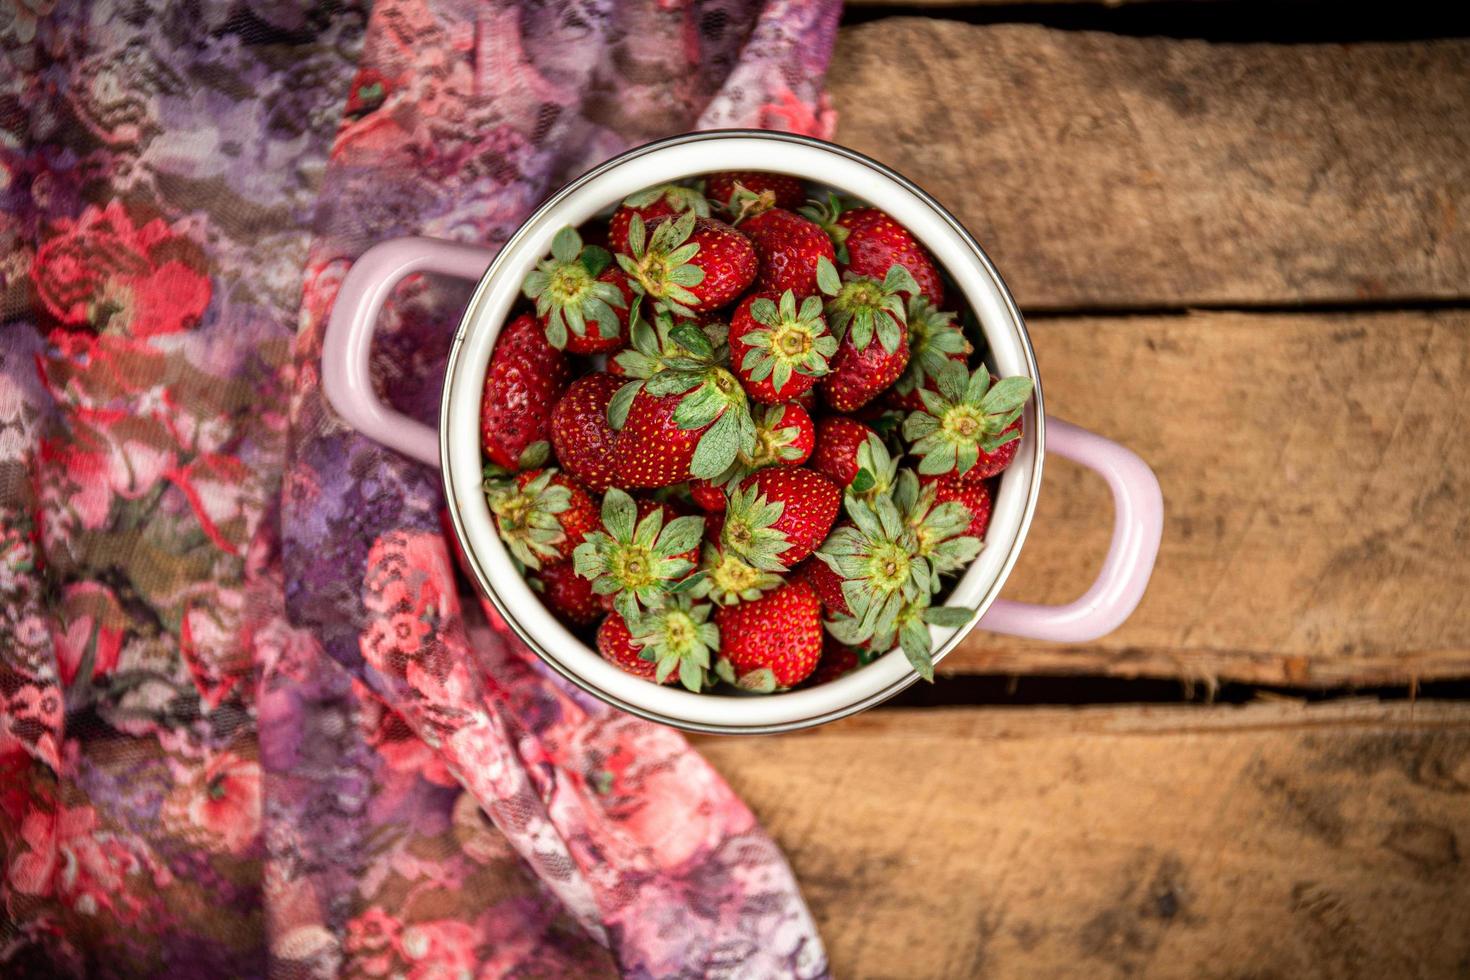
[{"x": 1251, "y": 263}]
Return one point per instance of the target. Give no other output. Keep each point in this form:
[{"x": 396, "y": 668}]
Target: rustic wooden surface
[
  {"x": 1316, "y": 473},
  {"x": 1106, "y": 172},
  {"x": 1267, "y": 841}
]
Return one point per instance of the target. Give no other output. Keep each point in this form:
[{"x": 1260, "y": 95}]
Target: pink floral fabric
[{"x": 252, "y": 720}]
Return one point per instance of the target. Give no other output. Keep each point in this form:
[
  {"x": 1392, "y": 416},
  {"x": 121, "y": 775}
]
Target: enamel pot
[{"x": 455, "y": 446}]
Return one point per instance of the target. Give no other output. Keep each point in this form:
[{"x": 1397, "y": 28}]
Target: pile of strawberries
[{"x": 742, "y": 437}]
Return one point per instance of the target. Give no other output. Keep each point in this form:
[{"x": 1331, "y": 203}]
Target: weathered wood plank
[
  {"x": 1263, "y": 841},
  {"x": 1106, "y": 171},
  {"x": 1316, "y": 473}
]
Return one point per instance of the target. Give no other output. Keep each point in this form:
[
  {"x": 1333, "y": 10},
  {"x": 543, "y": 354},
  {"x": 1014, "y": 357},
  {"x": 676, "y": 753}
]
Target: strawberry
[
  {"x": 649, "y": 206},
  {"x": 615, "y": 643},
  {"x": 707, "y": 495},
  {"x": 526, "y": 377},
  {"x": 934, "y": 340},
  {"x": 568, "y": 594},
  {"x": 778, "y": 350},
  {"x": 581, "y": 298},
  {"x": 773, "y": 642},
  {"x": 646, "y": 506},
  {"x": 676, "y": 640},
  {"x": 542, "y": 515},
  {"x": 861, "y": 310},
  {"x": 967, "y": 423},
  {"x": 580, "y": 431},
  {"x": 939, "y": 528},
  {"x": 869, "y": 243},
  {"x": 788, "y": 247},
  {"x": 838, "y": 660},
  {"x": 838, "y": 440},
  {"x": 973, "y": 495},
  {"x": 784, "y": 435},
  {"x": 688, "y": 264},
  {"x": 827, "y": 583},
  {"x": 639, "y": 561},
  {"x": 782, "y": 190},
  {"x": 778, "y": 515},
  {"x": 689, "y": 418},
  {"x": 890, "y": 559}
]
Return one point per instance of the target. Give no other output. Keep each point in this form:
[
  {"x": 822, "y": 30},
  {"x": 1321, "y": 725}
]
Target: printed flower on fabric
[
  {"x": 407, "y": 587},
  {"x": 440, "y": 950},
  {"x": 69, "y": 857},
  {"x": 371, "y": 938},
  {"x": 88, "y": 633},
  {"x": 220, "y": 803},
  {"x": 104, "y": 272}
]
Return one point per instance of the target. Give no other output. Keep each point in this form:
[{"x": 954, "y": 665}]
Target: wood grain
[
  {"x": 1106, "y": 171},
  {"x": 1272, "y": 840},
  {"x": 1316, "y": 474}
]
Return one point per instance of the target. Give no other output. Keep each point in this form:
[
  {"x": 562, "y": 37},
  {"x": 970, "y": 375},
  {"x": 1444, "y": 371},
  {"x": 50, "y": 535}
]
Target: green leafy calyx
[
  {"x": 678, "y": 636},
  {"x": 661, "y": 266},
  {"x": 964, "y": 417},
  {"x": 729, "y": 579},
  {"x": 639, "y": 563},
  {"x": 568, "y": 295},
  {"x": 934, "y": 341},
  {"x": 865, "y": 307},
  {"x": 526, "y": 514},
  {"x": 750, "y": 532},
  {"x": 789, "y": 340}
]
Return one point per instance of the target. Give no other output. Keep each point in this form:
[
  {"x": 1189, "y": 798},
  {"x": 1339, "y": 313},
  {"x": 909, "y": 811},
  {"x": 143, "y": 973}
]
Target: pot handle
[
  {"x": 1138, "y": 523},
  {"x": 349, "y": 338}
]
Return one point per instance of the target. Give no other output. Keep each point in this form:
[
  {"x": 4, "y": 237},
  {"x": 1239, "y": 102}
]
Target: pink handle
[
  {"x": 349, "y": 338},
  {"x": 1138, "y": 523}
]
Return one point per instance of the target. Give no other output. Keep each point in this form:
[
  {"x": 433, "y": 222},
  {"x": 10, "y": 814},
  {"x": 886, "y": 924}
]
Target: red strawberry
[
  {"x": 973, "y": 494},
  {"x": 838, "y": 660},
  {"x": 778, "y": 350},
  {"x": 714, "y": 526},
  {"x": 788, "y": 247},
  {"x": 934, "y": 340},
  {"x": 677, "y": 638},
  {"x": 827, "y": 583},
  {"x": 569, "y": 595},
  {"x": 783, "y": 190},
  {"x": 526, "y": 377},
  {"x": 868, "y": 315},
  {"x": 869, "y": 242},
  {"x": 859, "y": 376},
  {"x": 651, "y": 450},
  {"x": 689, "y": 417},
  {"x": 615, "y": 643},
  {"x": 651, "y": 205},
  {"x": 970, "y": 423},
  {"x": 582, "y": 299},
  {"x": 542, "y": 515},
  {"x": 777, "y": 516},
  {"x": 580, "y": 433},
  {"x": 689, "y": 265},
  {"x": 774, "y": 641},
  {"x": 709, "y": 496},
  {"x": 785, "y": 435},
  {"x": 994, "y": 463},
  {"x": 838, "y": 440}
]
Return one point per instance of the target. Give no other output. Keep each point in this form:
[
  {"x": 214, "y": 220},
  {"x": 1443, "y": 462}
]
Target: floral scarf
[{"x": 250, "y": 721}]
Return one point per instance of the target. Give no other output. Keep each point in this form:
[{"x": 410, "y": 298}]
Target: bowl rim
[{"x": 490, "y": 552}]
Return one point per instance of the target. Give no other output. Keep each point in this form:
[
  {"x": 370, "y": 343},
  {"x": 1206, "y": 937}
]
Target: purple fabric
[{"x": 248, "y": 723}]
